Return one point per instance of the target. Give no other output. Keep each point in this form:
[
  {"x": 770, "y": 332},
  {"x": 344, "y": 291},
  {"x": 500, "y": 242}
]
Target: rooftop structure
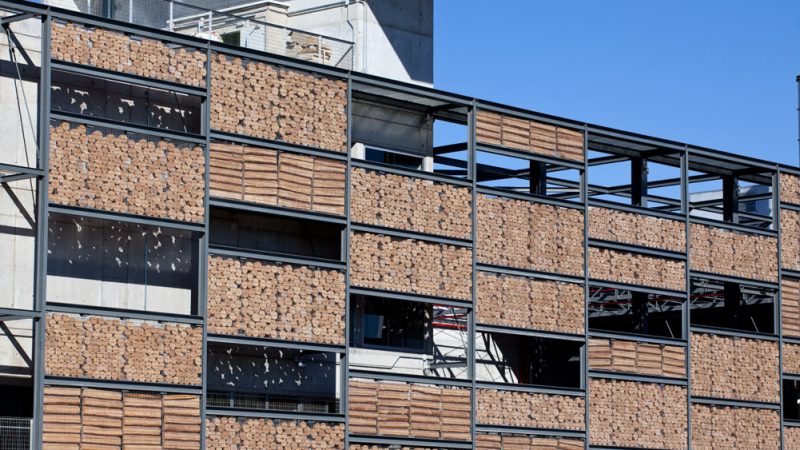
[{"x": 206, "y": 245}]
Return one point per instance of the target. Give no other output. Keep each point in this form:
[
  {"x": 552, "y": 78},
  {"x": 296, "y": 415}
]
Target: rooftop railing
[{"x": 243, "y": 25}]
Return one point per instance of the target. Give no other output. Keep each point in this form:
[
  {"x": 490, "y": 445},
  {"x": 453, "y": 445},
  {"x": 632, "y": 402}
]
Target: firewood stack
[
  {"x": 790, "y": 188},
  {"x": 408, "y": 203},
  {"x": 734, "y": 368},
  {"x": 530, "y": 410},
  {"x": 410, "y": 265},
  {"x": 234, "y": 433},
  {"x": 630, "y": 414},
  {"x": 409, "y": 410},
  {"x": 270, "y": 102},
  {"x": 95, "y": 419},
  {"x": 119, "y": 349},
  {"x": 728, "y": 252},
  {"x": 525, "y": 235},
  {"x": 271, "y": 177},
  {"x": 790, "y": 242},
  {"x": 529, "y": 135},
  {"x": 521, "y": 302},
  {"x": 735, "y": 428},
  {"x": 181, "y": 421},
  {"x": 62, "y": 418},
  {"x": 97, "y": 168},
  {"x": 638, "y": 269},
  {"x": 273, "y": 300},
  {"x": 790, "y": 306},
  {"x": 63, "y": 352},
  {"x": 637, "y": 357},
  {"x": 116, "y": 51},
  {"x": 791, "y": 437},
  {"x": 637, "y": 229},
  {"x": 141, "y": 420},
  {"x": 486, "y": 441},
  {"x": 791, "y": 358}
]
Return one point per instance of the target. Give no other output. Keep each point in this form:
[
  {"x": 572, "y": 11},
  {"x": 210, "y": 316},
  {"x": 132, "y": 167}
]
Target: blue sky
[{"x": 714, "y": 73}]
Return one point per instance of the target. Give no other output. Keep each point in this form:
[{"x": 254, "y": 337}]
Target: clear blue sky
[{"x": 714, "y": 73}]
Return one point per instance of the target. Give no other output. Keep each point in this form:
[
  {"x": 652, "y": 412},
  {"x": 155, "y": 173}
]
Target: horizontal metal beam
[
  {"x": 593, "y": 282},
  {"x": 275, "y": 210},
  {"x": 490, "y": 328},
  {"x": 18, "y": 314},
  {"x": 631, "y": 248},
  {"x": 123, "y": 217},
  {"x": 732, "y": 333},
  {"x": 122, "y": 385},
  {"x": 442, "y": 149},
  {"x": 279, "y": 415},
  {"x": 275, "y": 257},
  {"x": 456, "y": 303},
  {"x": 734, "y": 403},
  {"x": 530, "y": 388},
  {"x": 571, "y": 434},
  {"x": 405, "y": 378},
  {"x": 530, "y": 273},
  {"x": 88, "y": 310},
  {"x": 598, "y": 334},
  {"x": 262, "y": 342},
  {"x": 21, "y": 169},
  {"x": 638, "y": 378},
  {"x": 405, "y": 234},
  {"x": 126, "y": 127},
  {"x": 740, "y": 280},
  {"x": 217, "y": 135},
  {"x": 121, "y": 77}
]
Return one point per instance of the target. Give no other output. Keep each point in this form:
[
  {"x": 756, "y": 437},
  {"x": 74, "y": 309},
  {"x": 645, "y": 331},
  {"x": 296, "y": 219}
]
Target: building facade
[{"x": 212, "y": 246}]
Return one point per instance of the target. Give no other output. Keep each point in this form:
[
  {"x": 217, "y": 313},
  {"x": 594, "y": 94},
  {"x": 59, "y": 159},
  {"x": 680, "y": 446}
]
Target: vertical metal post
[
  {"x": 798, "y": 116},
  {"x": 171, "y": 16},
  {"x": 345, "y": 370},
  {"x": 687, "y": 311},
  {"x": 130, "y": 11},
  {"x": 639, "y": 182},
  {"x": 40, "y": 271},
  {"x": 584, "y": 187},
  {"x": 730, "y": 199},
  {"x": 537, "y": 175},
  {"x": 776, "y": 215},
  {"x": 471, "y": 356},
  {"x": 202, "y": 297}
]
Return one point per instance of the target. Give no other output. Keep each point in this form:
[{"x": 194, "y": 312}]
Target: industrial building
[{"x": 259, "y": 226}]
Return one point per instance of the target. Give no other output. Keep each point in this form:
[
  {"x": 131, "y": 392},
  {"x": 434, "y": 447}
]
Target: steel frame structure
[{"x": 683, "y": 157}]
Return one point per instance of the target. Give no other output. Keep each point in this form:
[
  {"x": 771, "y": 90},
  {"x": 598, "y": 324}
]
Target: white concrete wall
[
  {"x": 17, "y": 243},
  {"x": 11, "y": 362},
  {"x": 18, "y": 127}
]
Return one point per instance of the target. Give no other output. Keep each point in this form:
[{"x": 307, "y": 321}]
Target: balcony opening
[
  {"x": 643, "y": 175},
  {"x": 18, "y": 241},
  {"x": 410, "y": 132},
  {"x": 530, "y": 360},
  {"x": 127, "y": 103},
  {"x": 632, "y": 312},
  {"x": 527, "y": 176},
  {"x": 123, "y": 265},
  {"x": 273, "y": 379},
  {"x": 266, "y": 233},
  {"x": 730, "y": 192},
  {"x": 734, "y": 306},
  {"x": 791, "y": 400},
  {"x": 414, "y": 338},
  {"x": 16, "y": 383}
]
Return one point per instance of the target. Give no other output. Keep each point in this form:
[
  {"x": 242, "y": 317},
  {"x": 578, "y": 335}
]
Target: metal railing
[
  {"x": 15, "y": 433},
  {"x": 246, "y": 28}
]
